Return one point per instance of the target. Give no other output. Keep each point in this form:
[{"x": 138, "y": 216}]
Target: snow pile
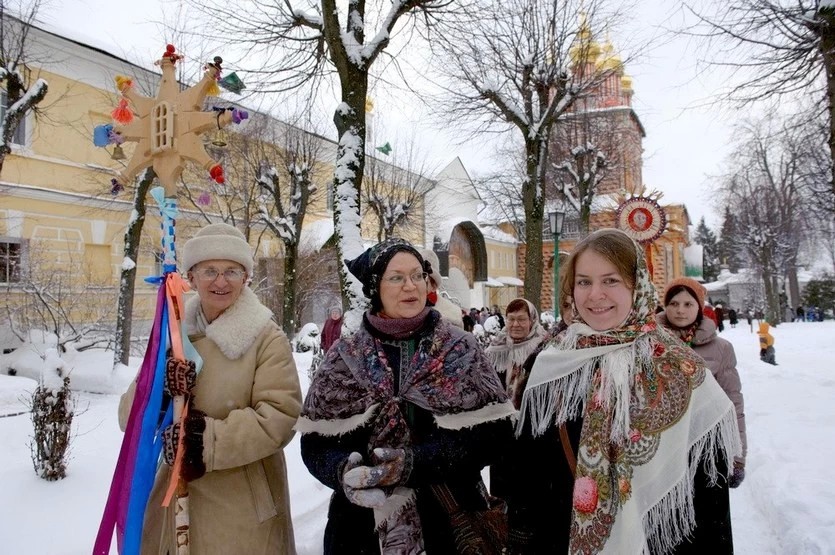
[{"x": 307, "y": 338}]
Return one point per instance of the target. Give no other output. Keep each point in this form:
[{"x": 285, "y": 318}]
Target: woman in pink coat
[{"x": 683, "y": 299}]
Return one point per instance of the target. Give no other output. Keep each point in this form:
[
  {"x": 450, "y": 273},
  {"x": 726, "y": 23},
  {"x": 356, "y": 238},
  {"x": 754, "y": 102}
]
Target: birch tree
[
  {"x": 287, "y": 187},
  {"x": 22, "y": 93},
  {"x": 775, "y": 50},
  {"x": 298, "y": 44},
  {"x": 512, "y": 70},
  {"x": 764, "y": 188}
]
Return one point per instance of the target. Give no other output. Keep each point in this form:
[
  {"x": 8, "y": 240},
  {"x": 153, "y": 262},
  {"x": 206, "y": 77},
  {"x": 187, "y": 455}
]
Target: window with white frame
[
  {"x": 19, "y": 137},
  {"x": 11, "y": 260}
]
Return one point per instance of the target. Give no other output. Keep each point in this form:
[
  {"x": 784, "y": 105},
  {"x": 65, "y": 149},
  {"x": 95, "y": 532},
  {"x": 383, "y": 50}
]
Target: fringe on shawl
[
  {"x": 305, "y": 425},
  {"x": 398, "y": 501},
  {"x": 673, "y": 518},
  {"x": 468, "y": 419},
  {"x": 618, "y": 370},
  {"x": 504, "y": 357}
]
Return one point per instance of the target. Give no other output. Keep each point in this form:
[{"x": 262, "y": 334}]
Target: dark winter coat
[
  {"x": 540, "y": 497},
  {"x": 441, "y": 455},
  {"x": 721, "y": 359}
]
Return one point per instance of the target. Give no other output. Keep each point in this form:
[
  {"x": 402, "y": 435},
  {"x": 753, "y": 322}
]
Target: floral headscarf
[{"x": 651, "y": 412}]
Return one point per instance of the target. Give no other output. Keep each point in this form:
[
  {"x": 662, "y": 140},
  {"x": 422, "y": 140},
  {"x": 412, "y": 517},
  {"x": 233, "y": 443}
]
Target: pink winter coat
[{"x": 721, "y": 359}]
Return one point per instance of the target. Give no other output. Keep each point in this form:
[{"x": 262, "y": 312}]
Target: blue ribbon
[
  {"x": 149, "y": 449},
  {"x": 168, "y": 210}
]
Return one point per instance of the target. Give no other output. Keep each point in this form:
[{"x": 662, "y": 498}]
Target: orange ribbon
[{"x": 175, "y": 286}]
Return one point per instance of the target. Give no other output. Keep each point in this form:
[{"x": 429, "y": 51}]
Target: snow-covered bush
[
  {"x": 52, "y": 409},
  {"x": 307, "y": 338},
  {"x": 491, "y": 325},
  {"x": 34, "y": 359}
]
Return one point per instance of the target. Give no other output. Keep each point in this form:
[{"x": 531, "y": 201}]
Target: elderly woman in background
[
  {"x": 246, "y": 400},
  {"x": 623, "y": 430},
  {"x": 512, "y": 346},
  {"x": 406, "y": 404},
  {"x": 332, "y": 328}
]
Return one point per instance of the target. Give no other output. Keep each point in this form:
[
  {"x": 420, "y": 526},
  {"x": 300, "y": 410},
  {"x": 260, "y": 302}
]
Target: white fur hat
[
  {"x": 430, "y": 256},
  {"x": 218, "y": 242}
]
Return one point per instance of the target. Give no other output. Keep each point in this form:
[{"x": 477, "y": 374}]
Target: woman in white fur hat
[{"x": 246, "y": 400}]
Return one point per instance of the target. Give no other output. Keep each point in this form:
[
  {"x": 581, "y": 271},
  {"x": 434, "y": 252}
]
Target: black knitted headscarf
[{"x": 371, "y": 264}]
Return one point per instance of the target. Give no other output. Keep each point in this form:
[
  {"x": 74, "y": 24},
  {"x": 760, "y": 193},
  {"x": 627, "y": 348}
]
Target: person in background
[
  {"x": 469, "y": 323},
  {"x": 710, "y": 312},
  {"x": 749, "y": 316},
  {"x": 406, "y": 405},
  {"x": 767, "y": 353},
  {"x": 720, "y": 317},
  {"x": 619, "y": 420},
  {"x": 682, "y": 299},
  {"x": 733, "y": 317},
  {"x": 244, "y": 401},
  {"x": 512, "y": 346},
  {"x": 332, "y": 328},
  {"x": 449, "y": 310},
  {"x": 497, "y": 312}
]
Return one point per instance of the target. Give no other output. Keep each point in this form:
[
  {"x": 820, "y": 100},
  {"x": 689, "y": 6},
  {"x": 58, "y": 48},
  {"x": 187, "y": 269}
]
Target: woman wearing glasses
[
  {"x": 246, "y": 399},
  {"x": 406, "y": 406}
]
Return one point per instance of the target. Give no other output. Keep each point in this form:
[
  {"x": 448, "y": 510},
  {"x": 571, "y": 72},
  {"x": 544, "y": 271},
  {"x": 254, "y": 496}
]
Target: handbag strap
[
  {"x": 445, "y": 497},
  {"x": 569, "y": 452}
]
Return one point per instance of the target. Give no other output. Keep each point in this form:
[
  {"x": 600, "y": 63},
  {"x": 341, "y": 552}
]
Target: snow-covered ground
[{"x": 786, "y": 504}]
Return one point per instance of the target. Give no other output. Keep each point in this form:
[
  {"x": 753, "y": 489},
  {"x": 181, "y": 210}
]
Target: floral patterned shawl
[
  {"x": 651, "y": 414},
  {"x": 447, "y": 376}
]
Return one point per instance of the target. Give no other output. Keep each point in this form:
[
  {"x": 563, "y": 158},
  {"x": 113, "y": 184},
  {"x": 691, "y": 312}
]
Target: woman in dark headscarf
[{"x": 406, "y": 403}]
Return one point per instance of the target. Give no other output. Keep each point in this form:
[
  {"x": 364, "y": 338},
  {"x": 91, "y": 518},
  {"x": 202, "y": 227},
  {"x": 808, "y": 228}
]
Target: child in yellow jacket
[{"x": 766, "y": 344}]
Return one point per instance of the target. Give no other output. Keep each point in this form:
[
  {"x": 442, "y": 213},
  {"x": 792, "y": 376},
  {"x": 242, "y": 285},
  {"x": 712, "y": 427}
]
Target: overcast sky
[{"x": 683, "y": 147}]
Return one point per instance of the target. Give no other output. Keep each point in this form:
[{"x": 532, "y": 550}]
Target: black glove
[
  {"x": 369, "y": 497},
  {"x": 738, "y": 475},
  {"x": 180, "y": 377},
  {"x": 391, "y": 468},
  {"x": 193, "y": 466}
]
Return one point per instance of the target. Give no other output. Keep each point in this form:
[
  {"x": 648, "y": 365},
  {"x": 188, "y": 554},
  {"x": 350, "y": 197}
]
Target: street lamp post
[{"x": 555, "y": 221}]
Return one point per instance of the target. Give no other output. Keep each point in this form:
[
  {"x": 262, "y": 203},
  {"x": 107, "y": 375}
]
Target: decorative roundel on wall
[{"x": 642, "y": 219}]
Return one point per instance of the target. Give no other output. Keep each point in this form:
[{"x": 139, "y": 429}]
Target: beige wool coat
[
  {"x": 249, "y": 390},
  {"x": 721, "y": 359}
]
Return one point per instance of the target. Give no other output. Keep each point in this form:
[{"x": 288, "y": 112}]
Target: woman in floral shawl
[
  {"x": 407, "y": 402},
  {"x": 620, "y": 422}
]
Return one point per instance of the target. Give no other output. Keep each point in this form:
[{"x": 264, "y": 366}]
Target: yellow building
[{"x": 59, "y": 216}]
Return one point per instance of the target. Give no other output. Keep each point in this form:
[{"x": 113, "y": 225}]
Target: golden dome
[
  {"x": 585, "y": 50},
  {"x": 610, "y": 60}
]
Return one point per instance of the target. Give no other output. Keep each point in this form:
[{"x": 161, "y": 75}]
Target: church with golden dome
[{"x": 600, "y": 138}]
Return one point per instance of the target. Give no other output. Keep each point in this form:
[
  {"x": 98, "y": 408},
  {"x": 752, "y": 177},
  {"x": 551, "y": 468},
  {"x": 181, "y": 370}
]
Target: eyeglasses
[
  {"x": 399, "y": 279},
  {"x": 522, "y": 320},
  {"x": 232, "y": 275}
]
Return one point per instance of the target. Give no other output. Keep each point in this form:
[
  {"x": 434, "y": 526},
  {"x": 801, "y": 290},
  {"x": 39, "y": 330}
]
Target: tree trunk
[
  {"x": 127, "y": 281},
  {"x": 288, "y": 320},
  {"x": 772, "y": 298},
  {"x": 350, "y": 167},
  {"x": 532, "y": 201},
  {"x": 827, "y": 49}
]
